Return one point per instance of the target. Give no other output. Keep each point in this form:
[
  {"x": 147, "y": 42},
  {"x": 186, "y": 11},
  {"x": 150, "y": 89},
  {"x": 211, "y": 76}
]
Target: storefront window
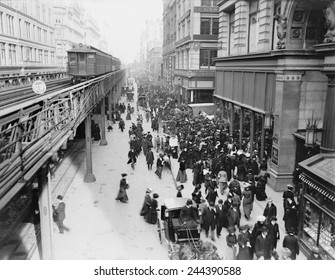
[
  {"x": 319, "y": 230},
  {"x": 258, "y": 132}
]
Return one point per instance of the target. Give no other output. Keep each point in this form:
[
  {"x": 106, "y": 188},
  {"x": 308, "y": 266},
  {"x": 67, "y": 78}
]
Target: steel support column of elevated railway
[{"x": 103, "y": 141}]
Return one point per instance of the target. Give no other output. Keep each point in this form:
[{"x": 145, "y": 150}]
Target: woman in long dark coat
[
  {"x": 146, "y": 204},
  {"x": 247, "y": 202},
  {"x": 151, "y": 218},
  {"x": 243, "y": 244},
  {"x": 122, "y": 194}
]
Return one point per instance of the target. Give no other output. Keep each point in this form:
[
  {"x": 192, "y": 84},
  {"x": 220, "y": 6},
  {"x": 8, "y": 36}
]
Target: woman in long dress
[
  {"x": 243, "y": 244},
  {"x": 151, "y": 218},
  {"x": 146, "y": 204},
  {"x": 122, "y": 194}
]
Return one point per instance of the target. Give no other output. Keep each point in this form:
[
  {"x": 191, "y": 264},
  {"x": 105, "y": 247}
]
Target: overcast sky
[{"x": 126, "y": 19}]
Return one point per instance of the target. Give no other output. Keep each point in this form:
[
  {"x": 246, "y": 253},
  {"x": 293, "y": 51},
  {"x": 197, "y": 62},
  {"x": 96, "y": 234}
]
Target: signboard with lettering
[{"x": 39, "y": 87}]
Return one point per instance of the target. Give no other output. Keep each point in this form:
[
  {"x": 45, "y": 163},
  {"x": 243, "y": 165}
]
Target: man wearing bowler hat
[{"x": 291, "y": 242}]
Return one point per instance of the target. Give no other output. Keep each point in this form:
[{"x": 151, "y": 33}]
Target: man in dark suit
[
  {"x": 263, "y": 245},
  {"x": 209, "y": 220},
  {"x": 221, "y": 217},
  {"x": 291, "y": 242},
  {"x": 60, "y": 214}
]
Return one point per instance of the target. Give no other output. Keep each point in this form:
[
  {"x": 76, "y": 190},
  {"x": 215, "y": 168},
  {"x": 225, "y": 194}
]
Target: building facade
[
  {"x": 27, "y": 35},
  {"x": 268, "y": 77},
  {"x": 195, "y": 46},
  {"x": 155, "y": 66},
  {"x": 275, "y": 90},
  {"x": 69, "y": 29},
  {"x": 151, "y": 37}
]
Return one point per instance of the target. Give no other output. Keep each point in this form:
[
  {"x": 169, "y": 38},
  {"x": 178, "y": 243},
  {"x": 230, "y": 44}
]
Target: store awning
[{"x": 317, "y": 187}]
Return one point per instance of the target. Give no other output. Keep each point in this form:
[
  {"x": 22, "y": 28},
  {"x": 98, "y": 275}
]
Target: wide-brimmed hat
[
  {"x": 155, "y": 195},
  {"x": 149, "y": 190},
  {"x": 231, "y": 229},
  {"x": 59, "y": 197},
  {"x": 124, "y": 174},
  {"x": 189, "y": 202},
  {"x": 261, "y": 218},
  {"x": 243, "y": 227}
]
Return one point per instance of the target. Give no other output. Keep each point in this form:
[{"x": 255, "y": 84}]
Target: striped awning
[{"x": 317, "y": 187}]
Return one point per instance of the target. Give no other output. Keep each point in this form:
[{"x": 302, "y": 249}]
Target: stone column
[
  {"x": 89, "y": 177},
  {"x": 265, "y": 22},
  {"x": 286, "y": 118},
  {"x": 45, "y": 204},
  {"x": 328, "y": 129}
]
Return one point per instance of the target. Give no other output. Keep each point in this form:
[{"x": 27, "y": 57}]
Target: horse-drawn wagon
[{"x": 183, "y": 239}]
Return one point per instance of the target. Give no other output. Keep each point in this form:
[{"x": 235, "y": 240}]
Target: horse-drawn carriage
[{"x": 183, "y": 239}]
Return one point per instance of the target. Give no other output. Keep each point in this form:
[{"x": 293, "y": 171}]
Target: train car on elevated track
[{"x": 86, "y": 62}]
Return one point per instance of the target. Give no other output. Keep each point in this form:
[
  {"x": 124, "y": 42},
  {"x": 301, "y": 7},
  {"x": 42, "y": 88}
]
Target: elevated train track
[{"x": 33, "y": 130}]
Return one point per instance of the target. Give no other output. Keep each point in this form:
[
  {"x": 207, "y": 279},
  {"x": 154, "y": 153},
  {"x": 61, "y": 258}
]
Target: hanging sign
[{"x": 39, "y": 87}]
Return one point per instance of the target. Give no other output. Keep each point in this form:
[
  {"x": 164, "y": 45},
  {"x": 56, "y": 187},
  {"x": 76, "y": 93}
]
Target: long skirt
[
  {"x": 122, "y": 195},
  {"x": 243, "y": 254},
  {"x": 151, "y": 218},
  {"x": 247, "y": 210},
  {"x": 159, "y": 171},
  {"x": 230, "y": 253}
]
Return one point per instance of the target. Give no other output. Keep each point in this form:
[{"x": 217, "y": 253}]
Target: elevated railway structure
[{"x": 35, "y": 127}]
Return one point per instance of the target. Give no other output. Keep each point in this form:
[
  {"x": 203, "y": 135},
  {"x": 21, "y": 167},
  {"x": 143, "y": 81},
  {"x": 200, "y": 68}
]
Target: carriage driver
[{"x": 188, "y": 215}]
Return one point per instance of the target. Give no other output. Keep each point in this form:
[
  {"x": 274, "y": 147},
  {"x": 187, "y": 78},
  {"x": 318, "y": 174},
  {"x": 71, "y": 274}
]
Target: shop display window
[{"x": 319, "y": 230}]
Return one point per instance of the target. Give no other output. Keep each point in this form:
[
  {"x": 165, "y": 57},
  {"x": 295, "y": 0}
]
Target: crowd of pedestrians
[{"x": 221, "y": 168}]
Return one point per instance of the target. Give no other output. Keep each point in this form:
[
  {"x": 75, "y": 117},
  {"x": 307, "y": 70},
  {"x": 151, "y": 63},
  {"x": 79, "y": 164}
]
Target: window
[
  {"x": 253, "y": 26},
  {"x": 3, "y": 54},
  {"x": 46, "y": 62},
  {"x": 38, "y": 12},
  {"x": 20, "y": 28},
  {"x": 209, "y": 26},
  {"x": 27, "y": 25},
  {"x": 43, "y": 13},
  {"x": 206, "y": 58},
  {"x": 231, "y": 32},
  {"x": 28, "y": 54},
  {"x": 206, "y": 3},
  {"x": 187, "y": 59},
  {"x": 215, "y": 26},
  {"x": 51, "y": 38},
  {"x": 188, "y": 27},
  {"x": 52, "y": 55},
  {"x": 1, "y": 22},
  {"x": 10, "y": 22},
  {"x": 45, "y": 36},
  {"x": 40, "y": 55},
  {"x": 205, "y": 26},
  {"x": 39, "y": 34},
  {"x": 11, "y": 54}
]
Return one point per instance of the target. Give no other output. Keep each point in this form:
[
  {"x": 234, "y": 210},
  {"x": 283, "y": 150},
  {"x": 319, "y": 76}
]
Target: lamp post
[{"x": 311, "y": 132}]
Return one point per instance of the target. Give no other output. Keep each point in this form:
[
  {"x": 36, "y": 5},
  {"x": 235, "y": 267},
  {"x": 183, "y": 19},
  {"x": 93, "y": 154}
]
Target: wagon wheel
[{"x": 159, "y": 230}]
